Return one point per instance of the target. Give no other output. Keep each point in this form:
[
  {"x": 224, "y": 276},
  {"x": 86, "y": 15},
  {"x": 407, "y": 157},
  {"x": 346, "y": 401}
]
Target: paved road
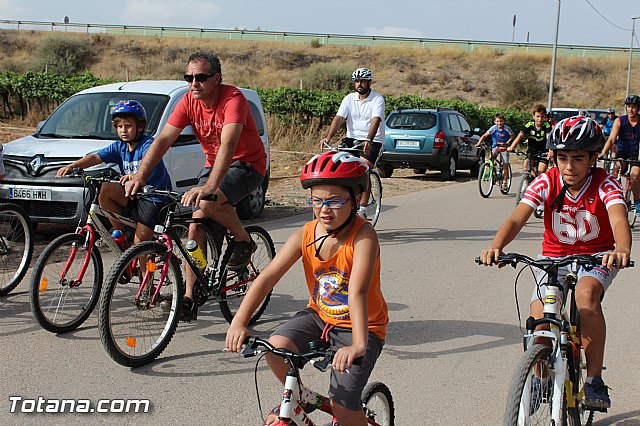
[{"x": 452, "y": 345}]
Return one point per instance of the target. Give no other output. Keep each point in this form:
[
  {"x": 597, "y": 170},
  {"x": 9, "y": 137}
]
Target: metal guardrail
[{"x": 321, "y": 39}]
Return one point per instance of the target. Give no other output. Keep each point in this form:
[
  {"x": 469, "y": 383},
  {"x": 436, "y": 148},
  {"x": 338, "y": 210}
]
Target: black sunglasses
[{"x": 200, "y": 78}]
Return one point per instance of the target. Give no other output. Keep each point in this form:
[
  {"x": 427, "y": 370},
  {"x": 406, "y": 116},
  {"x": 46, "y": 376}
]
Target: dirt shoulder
[{"x": 285, "y": 196}]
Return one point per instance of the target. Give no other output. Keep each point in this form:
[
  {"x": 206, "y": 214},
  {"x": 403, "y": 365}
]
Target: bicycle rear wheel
[
  {"x": 377, "y": 404},
  {"x": 485, "y": 179},
  {"x": 531, "y": 391},
  {"x": 375, "y": 198},
  {"x": 16, "y": 246},
  {"x": 134, "y": 332},
  {"x": 505, "y": 181},
  {"x": 59, "y": 302},
  {"x": 230, "y": 299}
]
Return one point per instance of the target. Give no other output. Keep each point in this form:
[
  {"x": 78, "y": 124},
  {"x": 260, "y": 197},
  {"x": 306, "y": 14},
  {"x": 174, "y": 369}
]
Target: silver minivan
[{"x": 82, "y": 125}]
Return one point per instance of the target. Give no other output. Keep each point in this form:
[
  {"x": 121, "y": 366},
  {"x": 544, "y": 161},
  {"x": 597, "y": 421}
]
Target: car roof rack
[
  {"x": 402, "y": 108},
  {"x": 441, "y": 108}
]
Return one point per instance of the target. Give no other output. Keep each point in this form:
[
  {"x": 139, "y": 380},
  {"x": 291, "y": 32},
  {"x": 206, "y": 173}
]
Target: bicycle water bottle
[
  {"x": 120, "y": 239},
  {"x": 196, "y": 253}
]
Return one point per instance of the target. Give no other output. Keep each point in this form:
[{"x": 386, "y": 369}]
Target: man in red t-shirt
[
  {"x": 235, "y": 162},
  {"x": 584, "y": 213}
]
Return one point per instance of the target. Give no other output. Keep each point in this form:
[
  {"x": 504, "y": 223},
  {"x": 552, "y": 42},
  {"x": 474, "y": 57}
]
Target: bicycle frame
[
  {"x": 561, "y": 331},
  {"x": 90, "y": 228}
]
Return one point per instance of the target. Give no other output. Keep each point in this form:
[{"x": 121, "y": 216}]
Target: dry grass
[{"x": 444, "y": 73}]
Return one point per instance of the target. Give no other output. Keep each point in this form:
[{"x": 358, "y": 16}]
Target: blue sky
[{"x": 454, "y": 19}]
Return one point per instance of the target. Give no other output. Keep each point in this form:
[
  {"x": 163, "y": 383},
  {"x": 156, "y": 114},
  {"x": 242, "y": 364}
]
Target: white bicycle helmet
[{"x": 362, "y": 74}]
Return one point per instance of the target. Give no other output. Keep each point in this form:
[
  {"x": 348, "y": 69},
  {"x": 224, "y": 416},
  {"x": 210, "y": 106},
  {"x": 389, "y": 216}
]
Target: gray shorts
[
  {"x": 503, "y": 154},
  {"x": 344, "y": 389},
  {"x": 603, "y": 275},
  {"x": 241, "y": 180}
]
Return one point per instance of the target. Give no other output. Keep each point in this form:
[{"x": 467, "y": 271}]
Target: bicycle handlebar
[
  {"x": 588, "y": 261},
  {"x": 253, "y": 344},
  {"x": 355, "y": 148},
  {"x": 148, "y": 190},
  {"x": 106, "y": 176},
  {"x": 626, "y": 160}
]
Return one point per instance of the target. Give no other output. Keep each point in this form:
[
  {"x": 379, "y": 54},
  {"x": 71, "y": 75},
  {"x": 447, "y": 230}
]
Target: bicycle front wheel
[
  {"x": 66, "y": 283},
  {"x": 375, "y": 198},
  {"x": 631, "y": 207},
  {"x": 377, "y": 404},
  {"x": 234, "y": 284},
  {"x": 485, "y": 180},
  {"x": 524, "y": 184},
  {"x": 505, "y": 181},
  {"x": 132, "y": 329},
  {"x": 531, "y": 391},
  {"x": 16, "y": 246}
]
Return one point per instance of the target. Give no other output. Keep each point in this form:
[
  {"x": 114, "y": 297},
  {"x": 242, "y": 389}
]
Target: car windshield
[
  {"x": 88, "y": 116},
  {"x": 411, "y": 120},
  {"x": 561, "y": 115}
]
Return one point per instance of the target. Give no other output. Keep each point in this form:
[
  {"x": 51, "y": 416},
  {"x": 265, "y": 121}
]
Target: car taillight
[{"x": 438, "y": 141}]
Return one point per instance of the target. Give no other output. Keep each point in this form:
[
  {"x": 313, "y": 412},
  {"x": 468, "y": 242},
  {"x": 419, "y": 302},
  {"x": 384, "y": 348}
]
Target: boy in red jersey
[
  {"x": 585, "y": 213},
  {"x": 341, "y": 258}
]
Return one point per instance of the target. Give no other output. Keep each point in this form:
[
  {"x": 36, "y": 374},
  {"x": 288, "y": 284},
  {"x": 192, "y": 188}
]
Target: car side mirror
[
  {"x": 39, "y": 126},
  {"x": 476, "y": 131}
]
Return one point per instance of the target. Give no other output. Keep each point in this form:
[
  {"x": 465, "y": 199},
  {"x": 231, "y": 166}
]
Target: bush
[
  {"x": 520, "y": 86},
  {"x": 64, "y": 56},
  {"x": 327, "y": 77}
]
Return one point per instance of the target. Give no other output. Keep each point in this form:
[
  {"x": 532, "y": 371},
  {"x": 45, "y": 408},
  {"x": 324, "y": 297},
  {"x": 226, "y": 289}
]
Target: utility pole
[
  {"x": 633, "y": 33},
  {"x": 513, "y": 32},
  {"x": 553, "y": 60}
]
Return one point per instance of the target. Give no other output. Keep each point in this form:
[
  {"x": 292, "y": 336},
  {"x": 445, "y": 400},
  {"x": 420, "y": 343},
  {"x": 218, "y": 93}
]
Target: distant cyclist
[
  {"x": 625, "y": 133},
  {"x": 501, "y": 135},
  {"x": 607, "y": 122},
  {"x": 363, "y": 112},
  {"x": 536, "y": 133}
]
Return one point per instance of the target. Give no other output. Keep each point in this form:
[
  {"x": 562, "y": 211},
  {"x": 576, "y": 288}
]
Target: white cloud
[
  {"x": 13, "y": 9},
  {"x": 394, "y": 32},
  {"x": 189, "y": 13}
]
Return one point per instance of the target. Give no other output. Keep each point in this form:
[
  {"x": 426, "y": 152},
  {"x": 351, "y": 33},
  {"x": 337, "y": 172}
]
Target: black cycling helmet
[
  {"x": 576, "y": 133},
  {"x": 632, "y": 100},
  {"x": 611, "y": 110}
]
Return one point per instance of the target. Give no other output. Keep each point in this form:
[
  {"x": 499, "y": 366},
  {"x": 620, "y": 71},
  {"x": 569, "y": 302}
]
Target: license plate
[
  {"x": 30, "y": 194},
  {"x": 407, "y": 144}
]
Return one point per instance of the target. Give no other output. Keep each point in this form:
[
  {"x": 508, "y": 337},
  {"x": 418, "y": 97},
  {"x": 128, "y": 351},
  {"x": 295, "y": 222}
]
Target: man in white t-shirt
[{"x": 363, "y": 112}]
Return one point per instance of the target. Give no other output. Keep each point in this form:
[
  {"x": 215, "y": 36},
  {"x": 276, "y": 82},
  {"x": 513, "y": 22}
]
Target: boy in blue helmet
[{"x": 129, "y": 119}]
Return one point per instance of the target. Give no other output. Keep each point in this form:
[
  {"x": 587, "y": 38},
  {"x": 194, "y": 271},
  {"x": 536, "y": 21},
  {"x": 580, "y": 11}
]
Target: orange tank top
[{"x": 328, "y": 283}]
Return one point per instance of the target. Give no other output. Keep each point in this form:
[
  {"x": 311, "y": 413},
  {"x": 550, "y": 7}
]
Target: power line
[{"x": 605, "y": 18}]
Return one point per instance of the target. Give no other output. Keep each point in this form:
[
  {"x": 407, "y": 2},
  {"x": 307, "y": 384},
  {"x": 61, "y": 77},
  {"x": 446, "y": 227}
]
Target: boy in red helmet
[
  {"x": 584, "y": 213},
  {"x": 341, "y": 258}
]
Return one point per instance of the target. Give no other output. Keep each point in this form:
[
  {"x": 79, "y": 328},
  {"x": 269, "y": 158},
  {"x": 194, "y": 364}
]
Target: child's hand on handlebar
[
  {"x": 236, "y": 336},
  {"x": 126, "y": 178},
  {"x": 490, "y": 256},
  {"x": 63, "y": 171},
  {"x": 618, "y": 258}
]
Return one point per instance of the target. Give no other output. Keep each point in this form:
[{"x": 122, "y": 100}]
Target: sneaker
[
  {"x": 241, "y": 256},
  {"x": 540, "y": 391},
  {"x": 536, "y": 395},
  {"x": 188, "y": 312},
  {"x": 362, "y": 212},
  {"x": 596, "y": 394}
]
